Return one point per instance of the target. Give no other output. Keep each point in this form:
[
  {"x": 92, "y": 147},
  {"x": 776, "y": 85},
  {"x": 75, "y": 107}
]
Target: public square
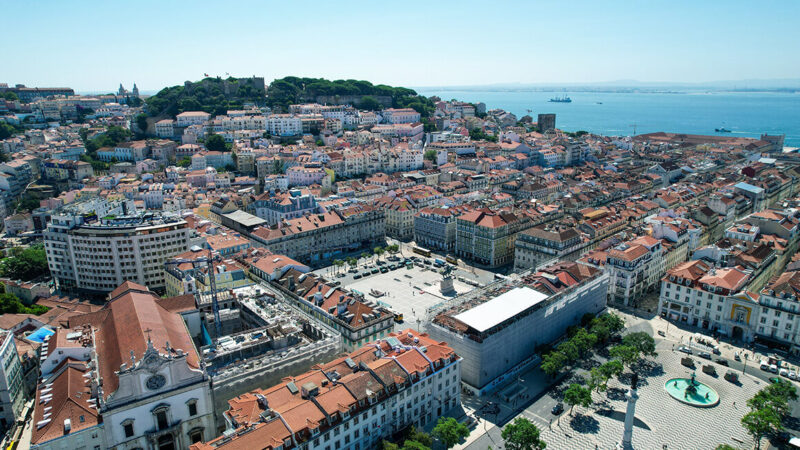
[{"x": 660, "y": 421}]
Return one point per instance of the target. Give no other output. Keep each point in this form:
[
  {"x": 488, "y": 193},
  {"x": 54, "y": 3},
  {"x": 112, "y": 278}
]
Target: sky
[{"x": 95, "y": 45}]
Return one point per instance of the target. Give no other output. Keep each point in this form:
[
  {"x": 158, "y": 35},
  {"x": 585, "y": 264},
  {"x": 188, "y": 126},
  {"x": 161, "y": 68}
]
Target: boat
[
  {"x": 599, "y": 103},
  {"x": 563, "y": 99},
  {"x": 722, "y": 130}
]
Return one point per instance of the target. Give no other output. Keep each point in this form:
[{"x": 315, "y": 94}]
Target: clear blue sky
[{"x": 95, "y": 45}]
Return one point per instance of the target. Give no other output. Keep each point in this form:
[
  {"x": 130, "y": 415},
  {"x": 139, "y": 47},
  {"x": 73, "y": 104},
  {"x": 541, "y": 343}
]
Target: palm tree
[{"x": 338, "y": 263}]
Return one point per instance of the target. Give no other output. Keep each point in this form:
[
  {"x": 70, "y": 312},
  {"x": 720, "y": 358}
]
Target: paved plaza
[
  {"x": 409, "y": 292},
  {"x": 661, "y": 422}
]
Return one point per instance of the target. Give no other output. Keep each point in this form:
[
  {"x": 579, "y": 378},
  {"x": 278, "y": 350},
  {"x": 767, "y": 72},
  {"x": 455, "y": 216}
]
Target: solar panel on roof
[
  {"x": 292, "y": 387},
  {"x": 350, "y": 363},
  {"x": 393, "y": 342}
]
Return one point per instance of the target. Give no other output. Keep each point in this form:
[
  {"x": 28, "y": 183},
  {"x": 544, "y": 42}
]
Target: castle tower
[{"x": 135, "y": 90}]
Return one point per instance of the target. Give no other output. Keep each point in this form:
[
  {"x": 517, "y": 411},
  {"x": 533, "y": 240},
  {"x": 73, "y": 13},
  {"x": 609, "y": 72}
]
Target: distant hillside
[
  {"x": 217, "y": 95},
  {"x": 212, "y": 95},
  {"x": 291, "y": 90}
]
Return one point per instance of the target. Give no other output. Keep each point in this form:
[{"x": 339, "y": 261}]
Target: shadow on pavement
[
  {"x": 585, "y": 424},
  {"x": 620, "y": 416}
]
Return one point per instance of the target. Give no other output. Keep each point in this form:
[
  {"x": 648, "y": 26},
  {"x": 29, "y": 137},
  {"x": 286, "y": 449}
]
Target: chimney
[{"x": 291, "y": 282}]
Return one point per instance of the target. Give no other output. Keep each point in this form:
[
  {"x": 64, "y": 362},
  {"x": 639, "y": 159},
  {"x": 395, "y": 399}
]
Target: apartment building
[
  {"x": 633, "y": 268},
  {"x": 12, "y": 388},
  {"x": 399, "y": 217},
  {"x": 165, "y": 128},
  {"x": 543, "y": 243},
  {"x": 99, "y": 255},
  {"x": 65, "y": 170},
  {"x": 701, "y": 295},
  {"x": 284, "y": 125},
  {"x": 354, "y": 402},
  {"x": 189, "y": 118},
  {"x": 315, "y": 238},
  {"x": 435, "y": 228},
  {"x": 400, "y": 115},
  {"x": 487, "y": 237},
  {"x": 779, "y": 313}
]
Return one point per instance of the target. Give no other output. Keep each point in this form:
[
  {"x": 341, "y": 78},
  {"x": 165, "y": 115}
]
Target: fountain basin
[{"x": 703, "y": 395}]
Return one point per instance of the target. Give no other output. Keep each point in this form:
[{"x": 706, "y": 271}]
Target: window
[
  {"x": 192, "y": 404},
  {"x": 196, "y": 435},
  {"x": 128, "y": 427}
]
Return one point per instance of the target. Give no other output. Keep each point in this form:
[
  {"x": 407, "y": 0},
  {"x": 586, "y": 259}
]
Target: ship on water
[
  {"x": 564, "y": 99},
  {"x": 722, "y": 130}
]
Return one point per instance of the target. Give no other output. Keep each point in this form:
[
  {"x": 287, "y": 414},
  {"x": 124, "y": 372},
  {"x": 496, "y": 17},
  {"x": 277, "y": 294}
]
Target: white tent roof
[{"x": 501, "y": 308}]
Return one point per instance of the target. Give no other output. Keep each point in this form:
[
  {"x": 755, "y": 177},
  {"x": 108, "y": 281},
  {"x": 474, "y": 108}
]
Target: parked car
[
  {"x": 722, "y": 362},
  {"x": 365, "y": 273},
  {"x": 716, "y": 350},
  {"x": 705, "y": 355},
  {"x": 792, "y": 375},
  {"x": 774, "y": 380},
  {"x": 357, "y": 276},
  {"x": 685, "y": 349},
  {"x": 773, "y": 368},
  {"x": 374, "y": 271},
  {"x": 662, "y": 333},
  {"x": 764, "y": 365},
  {"x": 558, "y": 409},
  {"x": 737, "y": 357},
  {"x": 784, "y": 372}
]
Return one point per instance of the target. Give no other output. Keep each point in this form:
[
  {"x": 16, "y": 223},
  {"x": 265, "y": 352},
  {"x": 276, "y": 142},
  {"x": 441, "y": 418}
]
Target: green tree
[
  {"x": 642, "y": 342},
  {"x": 10, "y": 96},
  {"x": 10, "y": 304},
  {"x": 522, "y": 434},
  {"x": 612, "y": 368},
  {"x": 369, "y": 103},
  {"x": 430, "y": 155},
  {"x": 378, "y": 251},
  {"x": 577, "y": 395},
  {"x": 627, "y": 354},
  {"x": 450, "y": 431},
  {"x": 598, "y": 379},
  {"x": 365, "y": 255},
  {"x": 338, "y": 263},
  {"x": 553, "y": 363},
  {"x": 216, "y": 143},
  {"x": 419, "y": 436},
  {"x": 352, "y": 262},
  {"x": 725, "y": 447},
  {"x": 774, "y": 397},
  {"x": 278, "y": 166},
  {"x": 141, "y": 122},
  {"x": 570, "y": 350},
  {"x": 185, "y": 162},
  {"x": 760, "y": 423},
  {"x": 583, "y": 340},
  {"x": 25, "y": 264}
]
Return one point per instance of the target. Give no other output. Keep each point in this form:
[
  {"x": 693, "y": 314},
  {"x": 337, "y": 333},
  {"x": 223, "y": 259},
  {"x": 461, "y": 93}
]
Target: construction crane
[{"x": 209, "y": 262}]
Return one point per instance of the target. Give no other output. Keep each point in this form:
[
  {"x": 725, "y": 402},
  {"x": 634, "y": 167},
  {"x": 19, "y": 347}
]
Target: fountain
[{"x": 692, "y": 392}]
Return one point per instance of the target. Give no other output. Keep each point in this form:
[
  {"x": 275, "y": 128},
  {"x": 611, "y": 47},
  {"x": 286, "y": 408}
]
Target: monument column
[{"x": 630, "y": 413}]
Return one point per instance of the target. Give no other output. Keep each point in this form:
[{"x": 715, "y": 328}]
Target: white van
[{"x": 764, "y": 364}]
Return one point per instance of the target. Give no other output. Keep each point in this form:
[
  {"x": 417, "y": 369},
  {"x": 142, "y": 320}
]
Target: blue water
[
  {"x": 40, "y": 334},
  {"x": 746, "y": 114}
]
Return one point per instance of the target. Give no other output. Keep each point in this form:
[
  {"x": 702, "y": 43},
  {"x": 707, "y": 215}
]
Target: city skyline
[{"x": 539, "y": 43}]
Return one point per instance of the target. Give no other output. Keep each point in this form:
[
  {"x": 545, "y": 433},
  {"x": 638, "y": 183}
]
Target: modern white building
[
  {"x": 498, "y": 337},
  {"x": 100, "y": 255}
]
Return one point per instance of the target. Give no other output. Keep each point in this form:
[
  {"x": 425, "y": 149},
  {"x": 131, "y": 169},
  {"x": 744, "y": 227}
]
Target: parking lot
[{"x": 408, "y": 291}]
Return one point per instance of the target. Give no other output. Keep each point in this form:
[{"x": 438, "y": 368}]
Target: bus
[
  {"x": 452, "y": 260},
  {"x": 422, "y": 251}
]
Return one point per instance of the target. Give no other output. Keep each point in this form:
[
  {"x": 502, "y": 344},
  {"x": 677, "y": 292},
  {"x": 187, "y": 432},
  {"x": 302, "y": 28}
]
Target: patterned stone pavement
[{"x": 661, "y": 420}]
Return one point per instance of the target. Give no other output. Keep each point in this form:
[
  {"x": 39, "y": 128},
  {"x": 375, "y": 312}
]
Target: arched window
[{"x": 161, "y": 416}]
